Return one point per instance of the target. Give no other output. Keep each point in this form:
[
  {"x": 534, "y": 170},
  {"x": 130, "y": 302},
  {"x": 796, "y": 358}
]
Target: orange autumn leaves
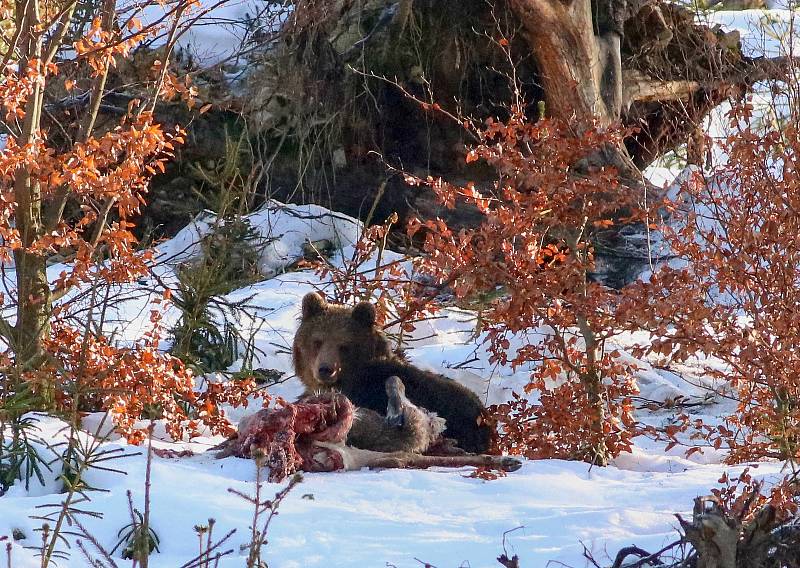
[
  {"x": 735, "y": 298},
  {"x": 533, "y": 252},
  {"x": 81, "y": 190},
  {"x": 137, "y": 382},
  {"x": 738, "y": 297}
]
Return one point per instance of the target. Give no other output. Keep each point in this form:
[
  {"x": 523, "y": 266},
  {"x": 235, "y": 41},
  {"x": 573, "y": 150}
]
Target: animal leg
[
  {"x": 396, "y": 394},
  {"x": 355, "y": 459}
]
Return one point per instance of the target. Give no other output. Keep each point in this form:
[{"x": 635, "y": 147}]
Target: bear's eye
[{"x": 317, "y": 344}]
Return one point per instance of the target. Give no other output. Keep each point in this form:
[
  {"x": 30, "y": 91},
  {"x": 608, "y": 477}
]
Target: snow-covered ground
[
  {"x": 386, "y": 518},
  {"x": 377, "y": 518}
]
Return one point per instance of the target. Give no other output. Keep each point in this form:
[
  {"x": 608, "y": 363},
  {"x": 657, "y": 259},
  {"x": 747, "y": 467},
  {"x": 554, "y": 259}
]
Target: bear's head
[{"x": 333, "y": 339}]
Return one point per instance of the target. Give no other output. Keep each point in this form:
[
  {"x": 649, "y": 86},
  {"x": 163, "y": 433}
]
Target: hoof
[
  {"x": 510, "y": 464},
  {"x": 395, "y": 392},
  {"x": 395, "y": 420}
]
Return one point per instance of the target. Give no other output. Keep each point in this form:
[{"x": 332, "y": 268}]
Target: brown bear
[{"x": 340, "y": 348}]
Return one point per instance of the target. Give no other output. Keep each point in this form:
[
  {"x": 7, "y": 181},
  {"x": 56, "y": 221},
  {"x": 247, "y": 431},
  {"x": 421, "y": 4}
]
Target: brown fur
[
  {"x": 405, "y": 428},
  {"x": 341, "y": 348},
  {"x": 334, "y": 336}
]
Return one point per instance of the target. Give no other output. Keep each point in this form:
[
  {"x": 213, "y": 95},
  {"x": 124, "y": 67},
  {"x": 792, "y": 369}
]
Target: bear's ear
[
  {"x": 364, "y": 314},
  {"x": 313, "y": 304}
]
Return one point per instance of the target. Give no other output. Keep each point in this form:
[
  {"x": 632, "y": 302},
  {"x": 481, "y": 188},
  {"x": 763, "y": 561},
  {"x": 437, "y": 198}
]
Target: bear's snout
[{"x": 327, "y": 373}]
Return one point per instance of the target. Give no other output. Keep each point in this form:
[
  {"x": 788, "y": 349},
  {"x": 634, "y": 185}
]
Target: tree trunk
[
  {"x": 581, "y": 72},
  {"x": 579, "y": 59},
  {"x": 592, "y": 382},
  {"x": 713, "y": 535},
  {"x": 33, "y": 289}
]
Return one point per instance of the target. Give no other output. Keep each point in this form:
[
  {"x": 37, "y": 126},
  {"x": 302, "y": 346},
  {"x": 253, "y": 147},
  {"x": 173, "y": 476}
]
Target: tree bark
[
  {"x": 33, "y": 289},
  {"x": 592, "y": 382},
  {"x": 713, "y": 535},
  {"x": 561, "y": 36},
  {"x": 579, "y": 59},
  {"x": 578, "y": 54}
]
